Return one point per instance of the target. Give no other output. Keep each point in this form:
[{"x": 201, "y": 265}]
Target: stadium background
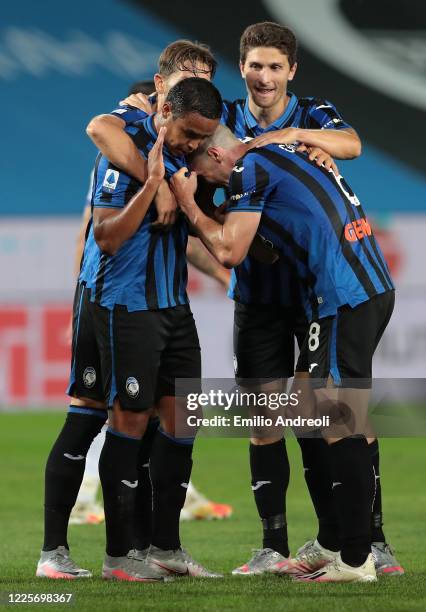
[{"x": 62, "y": 63}]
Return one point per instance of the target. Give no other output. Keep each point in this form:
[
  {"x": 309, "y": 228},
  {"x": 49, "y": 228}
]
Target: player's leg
[
  {"x": 129, "y": 372},
  {"x": 66, "y": 461},
  {"x": 171, "y": 454},
  {"x": 346, "y": 356},
  {"x": 142, "y": 529},
  {"x": 316, "y": 465},
  {"x": 264, "y": 358},
  {"x": 384, "y": 558}
]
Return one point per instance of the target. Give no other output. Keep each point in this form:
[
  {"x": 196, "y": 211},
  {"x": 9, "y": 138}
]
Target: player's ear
[
  {"x": 166, "y": 110},
  {"x": 292, "y": 71},
  {"x": 159, "y": 83},
  {"x": 242, "y": 70},
  {"x": 215, "y": 153}
]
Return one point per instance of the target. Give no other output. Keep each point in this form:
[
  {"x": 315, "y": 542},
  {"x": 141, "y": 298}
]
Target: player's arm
[
  {"x": 229, "y": 242},
  {"x": 201, "y": 259},
  {"x": 324, "y": 128},
  {"x": 80, "y": 241},
  {"x": 341, "y": 144},
  {"x": 107, "y": 133},
  {"x": 113, "y": 227}
]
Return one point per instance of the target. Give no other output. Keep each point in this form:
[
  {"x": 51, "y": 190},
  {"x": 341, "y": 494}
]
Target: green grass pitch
[{"x": 221, "y": 471}]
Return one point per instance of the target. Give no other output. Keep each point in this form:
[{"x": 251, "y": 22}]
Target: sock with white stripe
[
  {"x": 65, "y": 469},
  {"x": 270, "y": 474},
  {"x": 143, "y": 503},
  {"x": 170, "y": 470},
  {"x": 119, "y": 480},
  {"x": 377, "y": 534}
]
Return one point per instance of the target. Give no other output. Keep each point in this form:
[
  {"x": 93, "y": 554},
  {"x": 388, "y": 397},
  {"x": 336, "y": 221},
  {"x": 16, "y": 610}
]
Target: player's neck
[{"x": 266, "y": 116}]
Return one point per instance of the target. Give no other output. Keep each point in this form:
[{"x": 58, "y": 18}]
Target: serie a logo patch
[{"x": 110, "y": 180}]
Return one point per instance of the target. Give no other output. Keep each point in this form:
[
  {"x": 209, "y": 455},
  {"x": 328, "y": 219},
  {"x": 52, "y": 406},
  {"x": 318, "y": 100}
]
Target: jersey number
[{"x": 313, "y": 339}]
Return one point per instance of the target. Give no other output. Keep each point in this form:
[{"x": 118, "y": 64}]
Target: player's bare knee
[{"x": 129, "y": 422}]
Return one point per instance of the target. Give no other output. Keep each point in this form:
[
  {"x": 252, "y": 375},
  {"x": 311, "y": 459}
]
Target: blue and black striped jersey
[
  {"x": 149, "y": 270},
  {"x": 316, "y": 222},
  {"x": 253, "y": 282}
]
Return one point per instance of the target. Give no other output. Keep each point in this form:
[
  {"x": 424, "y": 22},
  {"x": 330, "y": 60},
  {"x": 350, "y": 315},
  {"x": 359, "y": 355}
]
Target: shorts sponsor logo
[
  {"x": 312, "y": 366},
  {"x": 89, "y": 377},
  {"x": 357, "y": 230},
  {"x": 132, "y": 387}
]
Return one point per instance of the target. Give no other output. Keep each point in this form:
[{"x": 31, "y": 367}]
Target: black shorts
[
  {"x": 264, "y": 341},
  {"x": 135, "y": 356},
  {"x": 343, "y": 345}
]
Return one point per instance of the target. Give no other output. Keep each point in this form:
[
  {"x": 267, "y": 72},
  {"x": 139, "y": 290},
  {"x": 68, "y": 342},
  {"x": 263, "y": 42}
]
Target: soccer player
[
  {"x": 87, "y": 510},
  {"x": 313, "y": 219},
  {"x": 265, "y": 321},
  {"x": 133, "y": 285}
]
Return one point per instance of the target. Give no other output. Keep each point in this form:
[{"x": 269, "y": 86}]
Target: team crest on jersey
[
  {"x": 110, "y": 180},
  {"x": 132, "y": 387},
  {"x": 89, "y": 377}
]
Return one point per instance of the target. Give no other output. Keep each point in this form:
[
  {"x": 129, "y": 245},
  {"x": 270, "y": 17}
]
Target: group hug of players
[{"x": 305, "y": 265}]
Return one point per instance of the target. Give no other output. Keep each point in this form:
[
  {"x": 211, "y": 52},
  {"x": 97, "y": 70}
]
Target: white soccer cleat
[
  {"x": 264, "y": 561},
  {"x": 131, "y": 569},
  {"x": 177, "y": 563},
  {"x": 57, "y": 564},
  {"x": 338, "y": 571},
  {"x": 310, "y": 558}
]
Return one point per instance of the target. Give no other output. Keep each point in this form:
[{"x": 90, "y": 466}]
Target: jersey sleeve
[
  {"x": 113, "y": 188},
  {"x": 249, "y": 185},
  {"x": 129, "y": 114},
  {"x": 323, "y": 115}
]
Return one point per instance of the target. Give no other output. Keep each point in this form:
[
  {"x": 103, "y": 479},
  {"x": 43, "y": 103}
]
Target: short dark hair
[
  {"x": 195, "y": 95},
  {"x": 145, "y": 87},
  {"x": 176, "y": 54},
  {"x": 269, "y": 34}
]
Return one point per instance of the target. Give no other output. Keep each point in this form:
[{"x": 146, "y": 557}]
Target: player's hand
[
  {"x": 286, "y": 136},
  {"x": 138, "y": 100},
  {"x": 167, "y": 209},
  {"x": 320, "y": 157},
  {"x": 156, "y": 168},
  {"x": 184, "y": 185}
]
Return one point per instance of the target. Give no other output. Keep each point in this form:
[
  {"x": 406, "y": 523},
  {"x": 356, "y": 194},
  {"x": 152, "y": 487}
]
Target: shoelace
[
  {"x": 305, "y": 547},
  {"x": 65, "y": 561}
]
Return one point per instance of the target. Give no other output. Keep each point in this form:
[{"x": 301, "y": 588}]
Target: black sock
[
  {"x": 119, "y": 478},
  {"x": 170, "y": 467},
  {"x": 143, "y": 502},
  {"x": 64, "y": 471},
  {"x": 270, "y": 474},
  {"x": 353, "y": 489},
  {"x": 316, "y": 463},
  {"x": 377, "y": 534}
]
